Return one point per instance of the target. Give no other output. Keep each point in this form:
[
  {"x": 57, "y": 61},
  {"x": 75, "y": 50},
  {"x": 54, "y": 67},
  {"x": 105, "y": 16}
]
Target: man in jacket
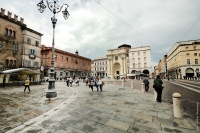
[{"x": 146, "y": 82}]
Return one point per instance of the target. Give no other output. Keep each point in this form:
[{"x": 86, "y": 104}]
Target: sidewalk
[{"x": 115, "y": 110}]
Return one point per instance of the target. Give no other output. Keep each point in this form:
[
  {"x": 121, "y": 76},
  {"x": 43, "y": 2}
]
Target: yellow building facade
[
  {"x": 183, "y": 60},
  {"x": 117, "y": 61}
]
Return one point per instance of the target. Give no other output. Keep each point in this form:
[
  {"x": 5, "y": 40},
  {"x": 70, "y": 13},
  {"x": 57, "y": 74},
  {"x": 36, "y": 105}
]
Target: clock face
[{"x": 42, "y": 68}]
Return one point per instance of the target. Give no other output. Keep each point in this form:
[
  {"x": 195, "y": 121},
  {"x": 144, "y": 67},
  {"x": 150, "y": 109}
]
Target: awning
[
  {"x": 130, "y": 74},
  {"x": 21, "y": 71},
  {"x": 11, "y": 58}
]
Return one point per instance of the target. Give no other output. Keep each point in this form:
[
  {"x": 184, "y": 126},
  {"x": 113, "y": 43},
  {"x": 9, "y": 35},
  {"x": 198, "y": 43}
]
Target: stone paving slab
[{"x": 115, "y": 110}]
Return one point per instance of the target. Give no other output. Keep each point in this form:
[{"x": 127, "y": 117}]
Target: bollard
[
  {"x": 177, "y": 109},
  {"x": 155, "y": 95},
  {"x": 122, "y": 83},
  {"x": 132, "y": 85},
  {"x": 114, "y": 82},
  {"x": 143, "y": 88}
]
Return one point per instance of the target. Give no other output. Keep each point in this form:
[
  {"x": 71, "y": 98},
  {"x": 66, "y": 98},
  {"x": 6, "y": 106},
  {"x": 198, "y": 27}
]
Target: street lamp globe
[
  {"x": 41, "y": 6},
  {"x": 65, "y": 14}
]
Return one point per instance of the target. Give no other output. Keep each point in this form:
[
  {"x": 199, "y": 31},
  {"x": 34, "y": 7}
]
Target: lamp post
[{"x": 55, "y": 8}]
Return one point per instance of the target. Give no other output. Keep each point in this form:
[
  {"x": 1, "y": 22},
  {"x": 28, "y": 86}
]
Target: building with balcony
[
  {"x": 16, "y": 49},
  {"x": 183, "y": 59},
  {"x": 66, "y": 64},
  {"x": 100, "y": 67},
  {"x": 140, "y": 62}
]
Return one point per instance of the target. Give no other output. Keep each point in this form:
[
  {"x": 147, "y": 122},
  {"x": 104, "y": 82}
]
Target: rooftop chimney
[
  {"x": 22, "y": 20},
  {"x": 16, "y": 17},
  {"x": 2, "y": 12},
  {"x": 9, "y": 14}
]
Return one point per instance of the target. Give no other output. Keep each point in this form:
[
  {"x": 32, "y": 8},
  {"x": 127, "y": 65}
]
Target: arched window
[
  {"x": 9, "y": 32},
  {"x": 7, "y": 61},
  {"x": 13, "y": 34},
  {"x": 11, "y": 63},
  {"x": 14, "y": 63},
  {"x": 6, "y": 31}
]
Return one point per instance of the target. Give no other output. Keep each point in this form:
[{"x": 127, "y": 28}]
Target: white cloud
[{"x": 92, "y": 30}]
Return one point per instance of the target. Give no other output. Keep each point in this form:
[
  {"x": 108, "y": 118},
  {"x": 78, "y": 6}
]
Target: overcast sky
[{"x": 92, "y": 30}]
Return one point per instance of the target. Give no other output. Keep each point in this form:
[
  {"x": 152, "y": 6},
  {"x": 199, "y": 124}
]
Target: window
[
  {"x": 67, "y": 58},
  {"x": 187, "y": 48},
  {"x": 29, "y": 40},
  {"x": 37, "y": 43},
  {"x": 117, "y": 72},
  {"x": 187, "y": 54},
  {"x": 61, "y": 57},
  {"x": 35, "y": 64},
  {"x": 6, "y": 32},
  {"x": 145, "y": 58},
  {"x": 13, "y": 34},
  {"x": 14, "y": 63},
  {"x": 45, "y": 55},
  {"x": 1, "y": 45},
  {"x": 9, "y": 32},
  {"x": 61, "y": 73},
  {"x": 195, "y": 54},
  {"x": 133, "y": 65},
  {"x": 32, "y": 52},
  {"x": 145, "y": 64},
  {"x": 138, "y": 53},
  {"x": 144, "y": 53},
  {"x": 139, "y": 65},
  {"x": 132, "y": 54},
  {"x": 133, "y": 59},
  {"x": 196, "y": 61},
  {"x": 15, "y": 47},
  {"x": 188, "y": 61},
  {"x": 116, "y": 57},
  {"x": 138, "y": 59},
  {"x": 194, "y": 47},
  {"x": 27, "y": 63},
  {"x": 55, "y": 56}
]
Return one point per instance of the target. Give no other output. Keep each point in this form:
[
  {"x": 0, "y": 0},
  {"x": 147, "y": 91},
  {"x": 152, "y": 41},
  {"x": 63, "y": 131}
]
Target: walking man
[{"x": 146, "y": 82}]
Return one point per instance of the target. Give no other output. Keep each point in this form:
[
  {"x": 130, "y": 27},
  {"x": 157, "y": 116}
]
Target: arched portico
[
  {"x": 116, "y": 69},
  {"x": 189, "y": 72}
]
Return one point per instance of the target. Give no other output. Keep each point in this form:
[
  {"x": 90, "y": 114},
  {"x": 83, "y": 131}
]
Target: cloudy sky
[{"x": 94, "y": 26}]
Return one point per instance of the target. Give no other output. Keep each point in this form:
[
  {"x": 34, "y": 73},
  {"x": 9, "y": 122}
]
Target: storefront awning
[{"x": 21, "y": 71}]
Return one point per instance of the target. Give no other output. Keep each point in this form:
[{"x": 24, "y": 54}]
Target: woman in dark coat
[{"x": 158, "y": 87}]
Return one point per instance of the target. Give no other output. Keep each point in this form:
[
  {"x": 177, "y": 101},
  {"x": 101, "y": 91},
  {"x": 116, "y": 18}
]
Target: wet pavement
[{"x": 116, "y": 109}]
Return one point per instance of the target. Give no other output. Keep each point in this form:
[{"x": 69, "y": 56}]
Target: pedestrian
[
  {"x": 158, "y": 87},
  {"x": 101, "y": 83},
  {"x": 77, "y": 81},
  {"x": 27, "y": 82},
  {"x": 67, "y": 81},
  {"x": 92, "y": 83},
  {"x": 97, "y": 83},
  {"x": 86, "y": 81},
  {"x": 146, "y": 83},
  {"x": 70, "y": 81}
]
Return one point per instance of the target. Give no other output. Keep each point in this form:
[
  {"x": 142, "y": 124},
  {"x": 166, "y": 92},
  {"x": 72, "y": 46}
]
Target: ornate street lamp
[{"x": 55, "y": 8}]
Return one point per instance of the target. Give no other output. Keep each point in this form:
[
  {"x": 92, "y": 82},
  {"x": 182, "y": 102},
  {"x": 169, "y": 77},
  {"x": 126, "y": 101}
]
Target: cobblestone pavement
[
  {"x": 18, "y": 107},
  {"x": 189, "y": 98},
  {"x": 116, "y": 109}
]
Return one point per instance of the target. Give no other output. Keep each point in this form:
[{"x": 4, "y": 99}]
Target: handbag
[{"x": 103, "y": 83}]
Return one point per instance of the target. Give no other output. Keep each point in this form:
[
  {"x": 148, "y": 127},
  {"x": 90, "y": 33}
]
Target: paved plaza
[{"x": 116, "y": 109}]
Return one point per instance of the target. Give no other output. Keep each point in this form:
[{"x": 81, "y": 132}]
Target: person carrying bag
[{"x": 158, "y": 88}]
